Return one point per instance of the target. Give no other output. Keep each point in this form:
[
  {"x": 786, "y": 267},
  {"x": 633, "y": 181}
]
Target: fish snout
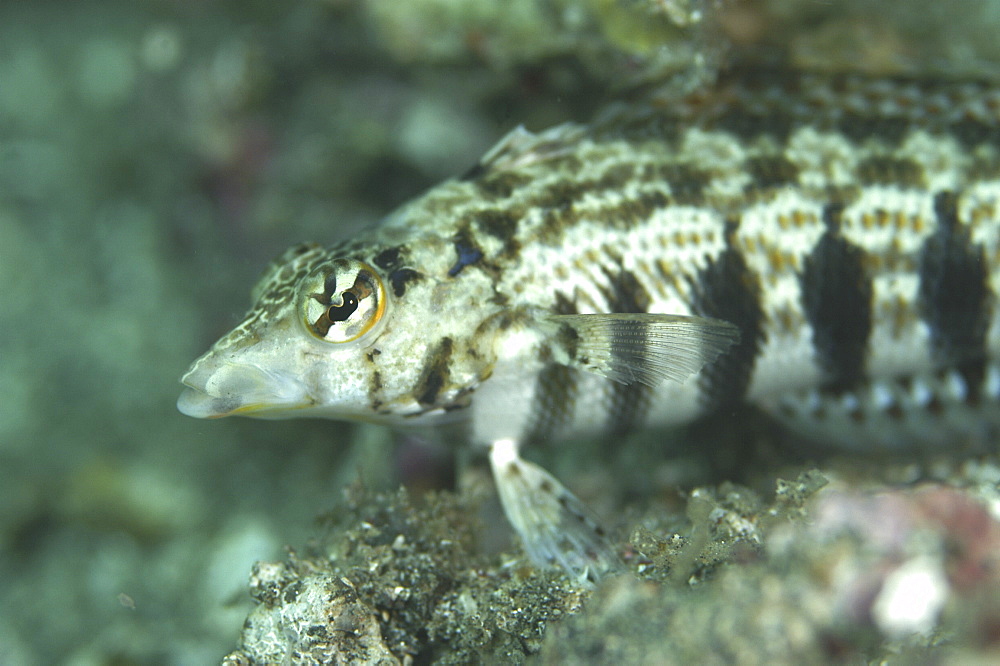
[{"x": 216, "y": 387}]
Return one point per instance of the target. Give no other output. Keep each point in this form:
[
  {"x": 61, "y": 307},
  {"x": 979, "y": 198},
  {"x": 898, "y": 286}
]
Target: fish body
[{"x": 825, "y": 247}]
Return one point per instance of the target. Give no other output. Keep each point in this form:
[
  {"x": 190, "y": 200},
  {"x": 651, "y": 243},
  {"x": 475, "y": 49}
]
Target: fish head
[{"x": 349, "y": 333}]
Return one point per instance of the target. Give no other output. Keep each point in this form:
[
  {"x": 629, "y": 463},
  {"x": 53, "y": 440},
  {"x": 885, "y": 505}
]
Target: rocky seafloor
[{"x": 154, "y": 156}]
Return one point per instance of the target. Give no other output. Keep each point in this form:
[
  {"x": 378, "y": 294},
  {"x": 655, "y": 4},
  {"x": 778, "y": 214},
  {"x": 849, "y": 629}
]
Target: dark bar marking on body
[
  {"x": 627, "y": 295},
  {"x": 554, "y": 402},
  {"x": 556, "y": 385},
  {"x": 727, "y": 289},
  {"x": 435, "y": 374},
  {"x": 955, "y": 298},
  {"x": 833, "y": 214},
  {"x": 837, "y": 301}
]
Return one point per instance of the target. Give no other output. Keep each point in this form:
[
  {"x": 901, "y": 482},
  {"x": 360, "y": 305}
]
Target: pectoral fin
[{"x": 644, "y": 348}]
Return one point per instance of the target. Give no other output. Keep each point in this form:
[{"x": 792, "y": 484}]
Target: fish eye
[{"x": 342, "y": 301}]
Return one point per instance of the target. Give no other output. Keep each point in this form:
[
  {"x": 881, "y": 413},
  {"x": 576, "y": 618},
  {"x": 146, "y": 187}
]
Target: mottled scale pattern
[{"x": 848, "y": 226}]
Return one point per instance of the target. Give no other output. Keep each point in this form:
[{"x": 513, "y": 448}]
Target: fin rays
[
  {"x": 555, "y": 527},
  {"x": 646, "y": 348}
]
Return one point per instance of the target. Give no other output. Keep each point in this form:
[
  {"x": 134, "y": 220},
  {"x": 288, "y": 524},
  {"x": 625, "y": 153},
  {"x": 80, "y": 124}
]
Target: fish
[{"x": 825, "y": 247}]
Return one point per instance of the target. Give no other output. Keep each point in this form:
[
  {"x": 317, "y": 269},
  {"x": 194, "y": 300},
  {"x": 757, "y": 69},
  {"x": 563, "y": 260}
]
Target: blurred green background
[{"x": 155, "y": 155}]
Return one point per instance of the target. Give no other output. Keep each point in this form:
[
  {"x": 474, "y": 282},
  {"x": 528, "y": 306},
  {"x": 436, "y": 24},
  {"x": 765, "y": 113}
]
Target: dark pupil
[{"x": 344, "y": 310}]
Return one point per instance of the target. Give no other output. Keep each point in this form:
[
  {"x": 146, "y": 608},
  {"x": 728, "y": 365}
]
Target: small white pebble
[
  {"x": 911, "y": 598},
  {"x": 883, "y": 396}
]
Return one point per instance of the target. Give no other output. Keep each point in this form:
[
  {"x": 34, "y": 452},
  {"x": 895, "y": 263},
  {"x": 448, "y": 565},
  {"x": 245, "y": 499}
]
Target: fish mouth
[{"x": 216, "y": 389}]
